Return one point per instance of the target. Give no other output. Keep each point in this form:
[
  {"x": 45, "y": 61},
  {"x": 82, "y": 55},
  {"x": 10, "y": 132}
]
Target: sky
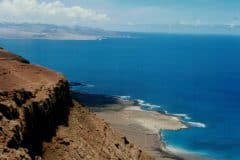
[{"x": 132, "y": 15}]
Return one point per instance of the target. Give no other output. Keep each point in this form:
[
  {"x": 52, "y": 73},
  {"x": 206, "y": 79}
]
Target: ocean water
[{"x": 195, "y": 76}]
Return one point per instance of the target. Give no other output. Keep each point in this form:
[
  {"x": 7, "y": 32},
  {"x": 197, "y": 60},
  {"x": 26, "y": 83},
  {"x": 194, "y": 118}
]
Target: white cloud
[{"x": 55, "y": 12}]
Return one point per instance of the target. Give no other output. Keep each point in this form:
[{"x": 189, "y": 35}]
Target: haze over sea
[{"x": 196, "y": 75}]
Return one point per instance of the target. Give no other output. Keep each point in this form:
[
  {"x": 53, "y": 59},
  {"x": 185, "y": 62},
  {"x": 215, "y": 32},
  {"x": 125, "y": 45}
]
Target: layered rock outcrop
[
  {"x": 33, "y": 102},
  {"x": 39, "y": 120}
]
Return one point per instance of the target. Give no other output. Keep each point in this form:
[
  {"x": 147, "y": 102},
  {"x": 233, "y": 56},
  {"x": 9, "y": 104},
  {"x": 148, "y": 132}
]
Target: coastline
[
  {"x": 140, "y": 126},
  {"x": 157, "y": 88},
  {"x": 39, "y": 119}
]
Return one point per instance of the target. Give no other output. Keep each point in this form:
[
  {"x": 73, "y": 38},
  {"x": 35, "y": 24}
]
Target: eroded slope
[{"x": 36, "y": 108}]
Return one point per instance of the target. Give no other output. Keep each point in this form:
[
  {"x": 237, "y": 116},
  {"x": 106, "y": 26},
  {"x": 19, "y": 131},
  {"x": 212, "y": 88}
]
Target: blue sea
[{"x": 194, "y": 75}]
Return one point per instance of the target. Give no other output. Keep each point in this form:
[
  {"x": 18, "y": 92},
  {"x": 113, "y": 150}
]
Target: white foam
[
  {"x": 140, "y": 101},
  {"x": 177, "y": 150},
  {"x": 125, "y": 97},
  {"x": 197, "y": 124},
  {"x": 185, "y": 116},
  {"x": 175, "y": 118},
  {"x": 166, "y": 112},
  {"x": 143, "y": 103}
]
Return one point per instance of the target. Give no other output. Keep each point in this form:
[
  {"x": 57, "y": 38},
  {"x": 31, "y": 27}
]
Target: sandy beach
[
  {"x": 140, "y": 126},
  {"x": 143, "y": 127}
]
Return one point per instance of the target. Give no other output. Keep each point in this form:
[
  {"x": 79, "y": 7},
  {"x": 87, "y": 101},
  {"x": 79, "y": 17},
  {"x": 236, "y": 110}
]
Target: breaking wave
[
  {"x": 197, "y": 124},
  {"x": 145, "y": 104},
  {"x": 184, "y": 116}
]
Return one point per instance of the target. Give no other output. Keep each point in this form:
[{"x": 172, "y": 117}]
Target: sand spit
[
  {"x": 143, "y": 127},
  {"x": 139, "y": 126}
]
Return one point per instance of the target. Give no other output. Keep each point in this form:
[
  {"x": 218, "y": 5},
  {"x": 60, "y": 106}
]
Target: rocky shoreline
[
  {"x": 34, "y": 101},
  {"x": 39, "y": 119},
  {"x": 140, "y": 126}
]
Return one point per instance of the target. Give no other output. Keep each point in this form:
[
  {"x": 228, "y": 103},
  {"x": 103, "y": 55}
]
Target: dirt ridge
[{"x": 39, "y": 119}]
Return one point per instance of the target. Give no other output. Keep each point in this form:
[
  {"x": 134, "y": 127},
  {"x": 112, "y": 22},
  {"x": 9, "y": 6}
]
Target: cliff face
[
  {"x": 38, "y": 119},
  {"x": 88, "y": 137},
  {"x": 33, "y": 102}
]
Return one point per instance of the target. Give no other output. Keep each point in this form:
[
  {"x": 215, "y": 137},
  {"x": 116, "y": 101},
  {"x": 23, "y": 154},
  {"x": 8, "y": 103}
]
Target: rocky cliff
[
  {"x": 4, "y": 54},
  {"x": 39, "y": 120},
  {"x": 33, "y": 102}
]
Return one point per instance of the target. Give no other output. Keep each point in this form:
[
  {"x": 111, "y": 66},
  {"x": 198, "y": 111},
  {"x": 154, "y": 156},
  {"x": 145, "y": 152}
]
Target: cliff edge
[
  {"x": 4, "y": 54},
  {"x": 39, "y": 119}
]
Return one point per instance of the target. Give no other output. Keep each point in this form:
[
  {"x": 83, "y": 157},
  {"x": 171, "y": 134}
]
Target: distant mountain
[
  {"x": 46, "y": 31},
  {"x": 230, "y": 29}
]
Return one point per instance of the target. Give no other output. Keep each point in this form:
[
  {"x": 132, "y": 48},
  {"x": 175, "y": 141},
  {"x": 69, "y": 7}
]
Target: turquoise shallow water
[{"x": 194, "y": 75}]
